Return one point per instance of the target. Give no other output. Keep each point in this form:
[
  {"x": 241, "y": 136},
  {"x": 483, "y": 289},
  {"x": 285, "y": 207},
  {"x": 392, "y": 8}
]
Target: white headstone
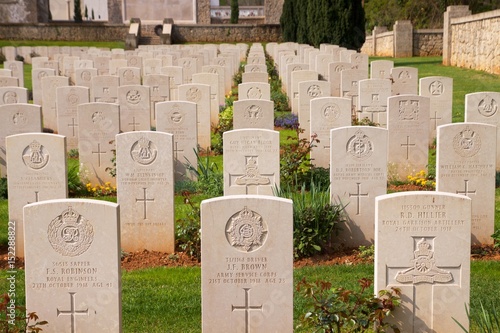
[
  {"x": 253, "y": 113},
  {"x": 247, "y": 269},
  {"x": 98, "y": 124},
  {"x": 135, "y": 108},
  {"x": 358, "y": 173},
  {"x": 439, "y": 89},
  {"x": 421, "y": 248},
  {"x": 327, "y": 113},
  {"x": 465, "y": 164},
  {"x": 145, "y": 183},
  {"x": 37, "y": 171},
  {"x": 73, "y": 260},
  {"x": 251, "y": 161},
  {"x": 179, "y": 119},
  {"x": 199, "y": 94},
  {"x": 408, "y": 135},
  {"x": 482, "y": 107},
  {"x": 17, "y": 119}
]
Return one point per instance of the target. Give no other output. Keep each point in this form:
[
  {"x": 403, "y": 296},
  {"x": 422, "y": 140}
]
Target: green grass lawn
[{"x": 169, "y": 299}]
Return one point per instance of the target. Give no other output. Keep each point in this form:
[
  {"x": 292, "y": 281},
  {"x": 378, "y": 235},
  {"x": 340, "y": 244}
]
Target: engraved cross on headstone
[
  {"x": 36, "y": 198},
  {"x": 407, "y": 145},
  {"x": 177, "y": 150},
  {"x": 133, "y": 124},
  {"x": 145, "y": 201},
  {"x": 358, "y": 197},
  {"x": 98, "y": 152},
  {"x": 423, "y": 276},
  {"x": 247, "y": 308},
  {"x": 73, "y": 125},
  {"x": 435, "y": 118},
  {"x": 466, "y": 191},
  {"x": 73, "y": 312}
]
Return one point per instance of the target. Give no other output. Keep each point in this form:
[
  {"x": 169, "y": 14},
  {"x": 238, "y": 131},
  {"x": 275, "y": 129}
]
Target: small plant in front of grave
[
  {"x": 73, "y": 153},
  {"x": 366, "y": 252},
  {"x": 33, "y": 54},
  {"x": 210, "y": 179},
  {"x": 225, "y": 124},
  {"x": 487, "y": 320},
  {"x": 187, "y": 229},
  {"x": 100, "y": 190},
  {"x": 112, "y": 170},
  {"x": 14, "y": 319},
  {"x": 364, "y": 122},
  {"x": 75, "y": 185},
  {"x": 19, "y": 58},
  {"x": 314, "y": 218},
  {"x": 2, "y": 58},
  {"x": 295, "y": 161},
  {"x": 287, "y": 120},
  {"x": 3, "y": 188},
  {"x": 496, "y": 238},
  {"x": 423, "y": 180},
  {"x": 343, "y": 310},
  {"x": 238, "y": 77}
]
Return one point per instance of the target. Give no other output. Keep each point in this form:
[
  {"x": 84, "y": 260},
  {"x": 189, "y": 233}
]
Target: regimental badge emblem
[
  {"x": 436, "y": 88},
  {"x": 144, "y": 151},
  {"x": 331, "y": 112},
  {"x": 253, "y": 113},
  {"x": 487, "y": 107},
  {"x": 314, "y": 91},
  {"x": 10, "y": 97},
  {"x": 19, "y": 119},
  {"x": 360, "y": 146},
  {"x": 193, "y": 94},
  {"x": 133, "y": 97},
  {"x": 73, "y": 98},
  {"x": 246, "y": 231},
  {"x": 35, "y": 156},
  {"x": 409, "y": 110},
  {"x": 128, "y": 75},
  {"x": 176, "y": 115},
  {"x": 254, "y": 93},
  {"x": 467, "y": 142},
  {"x": 70, "y": 234},
  {"x": 423, "y": 268},
  {"x": 252, "y": 174},
  {"x": 97, "y": 117}
]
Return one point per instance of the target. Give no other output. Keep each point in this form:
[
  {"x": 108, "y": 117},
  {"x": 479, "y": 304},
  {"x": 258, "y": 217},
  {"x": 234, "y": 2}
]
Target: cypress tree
[
  {"x": 288, "y": 21},
  {"x": 78, "y": 12},
  {"x": 301, "y": 17},
  {"x": 235, "y": 12},
  {"x": 86, "y": 14}
]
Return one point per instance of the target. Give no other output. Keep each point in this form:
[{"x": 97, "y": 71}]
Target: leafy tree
[
  {"x": 235, "y": 11},
  {"x": 287, "y": 21},
  {"x": 340, "y": 22},
  {"x": 301, "y": 19},
  {"x": 78, "y": 12}
]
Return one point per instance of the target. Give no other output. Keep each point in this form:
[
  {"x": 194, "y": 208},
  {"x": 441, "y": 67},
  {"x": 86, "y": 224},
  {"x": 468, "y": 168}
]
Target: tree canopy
[{"x": 340, "y": 22}]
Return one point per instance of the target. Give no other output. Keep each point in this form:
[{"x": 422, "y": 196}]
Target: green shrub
[
  {"x": 225, "y": 124},
  {"x": 314, "y": 218},
  {"x": 187, "y": 229},
  {"x": 487, "y": 320},
  {"x": 343, "y": 310},
  {"x": 295, "y": 162},
  {"x": 3, "y": 188},
  {"x": 75, "y": 186},
  {"x": 210, "y": 179},
  {"x": 496, "y": 238},
  {"x": 2, "y": 58}
]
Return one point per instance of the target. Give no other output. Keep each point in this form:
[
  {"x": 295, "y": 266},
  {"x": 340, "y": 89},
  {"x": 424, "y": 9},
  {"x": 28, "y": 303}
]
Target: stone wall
[
  {"x": 64, "y": 31},
  {"x": 475, "y": 42},
  {"x": 203, "y": 12},
  {"x": 229, "y": 33},
  {"x": 424, "y": 42},
  {"x": 428, "y": 42},
  {"x": 226, "y": 33}
]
